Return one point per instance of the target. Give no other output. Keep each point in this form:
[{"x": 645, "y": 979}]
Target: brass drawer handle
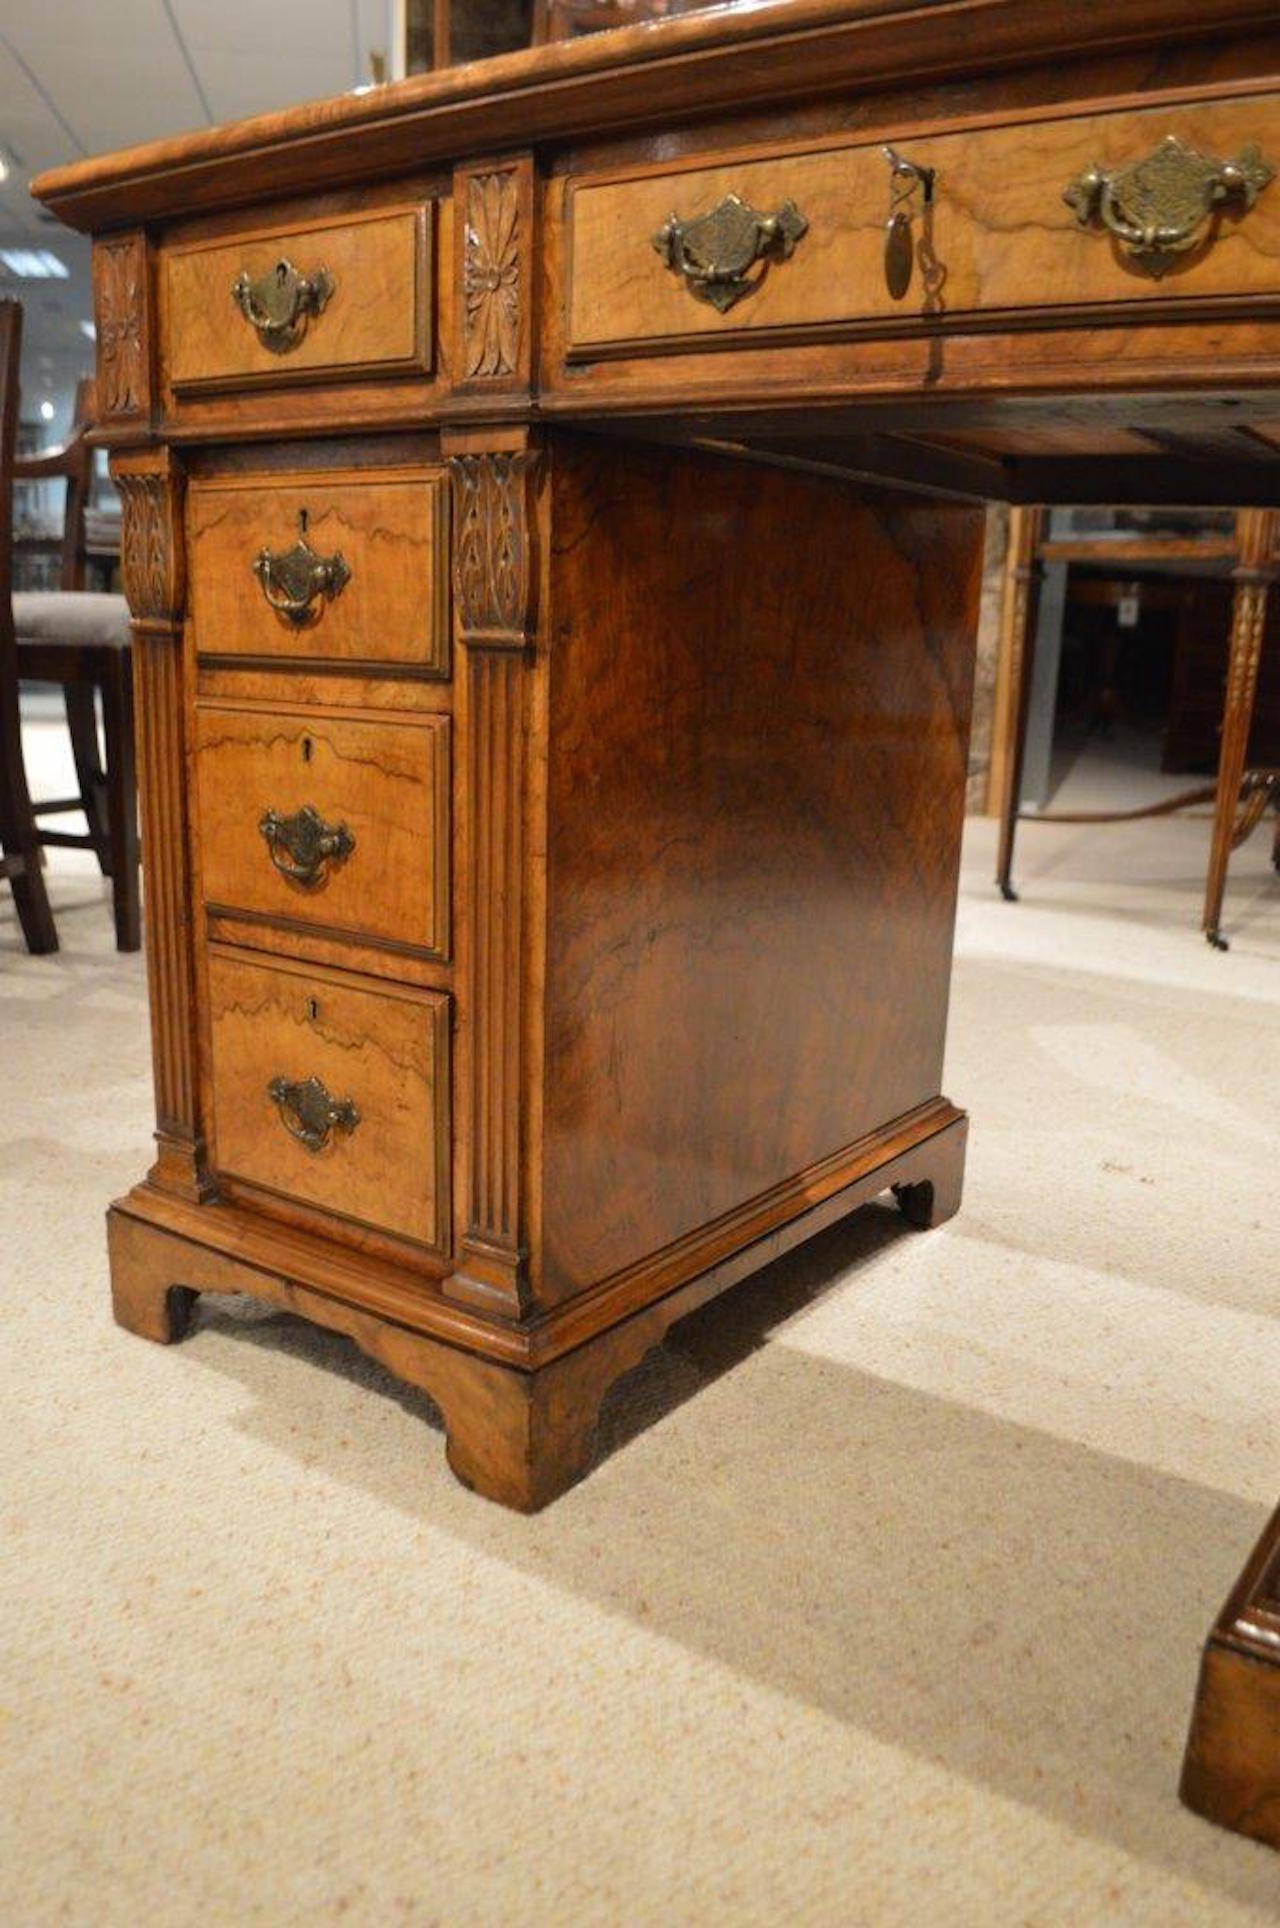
[
  {"x": 716, "y": 252},
  {"x": 279, "y": 303},
  {"x": 1161, "y": 206},
  {"x": 297, "y": 582},
  {"x": 309, "y": 1113},
  {"x": 303, "y": 845}
]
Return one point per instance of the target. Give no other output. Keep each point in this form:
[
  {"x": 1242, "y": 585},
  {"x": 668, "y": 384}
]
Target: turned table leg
[
  {"x": 1020, "y": 610},
  {"x": 1256, "y": 533}
]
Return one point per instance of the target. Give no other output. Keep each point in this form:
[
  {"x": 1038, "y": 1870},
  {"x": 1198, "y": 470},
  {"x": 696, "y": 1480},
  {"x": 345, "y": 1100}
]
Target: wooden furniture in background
[
  {"x": 706, "y": 684},
  {"x": 20, "y": 859},
  {"x": 78, "y": 639},
  {"x": 1240, "y": 794}
]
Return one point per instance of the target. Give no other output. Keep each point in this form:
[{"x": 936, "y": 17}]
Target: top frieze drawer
[
  {"x": 276, "y": 306},
  {"x": 1122, "y": 210}
]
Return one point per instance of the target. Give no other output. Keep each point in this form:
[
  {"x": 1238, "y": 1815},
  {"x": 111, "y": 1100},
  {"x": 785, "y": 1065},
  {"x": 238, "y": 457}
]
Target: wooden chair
[
  {"x": 19, "y": 839},
  {"x": 80, "y": 640}
]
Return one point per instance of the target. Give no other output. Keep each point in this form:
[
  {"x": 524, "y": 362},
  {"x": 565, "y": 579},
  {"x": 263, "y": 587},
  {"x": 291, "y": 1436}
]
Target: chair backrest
[
  {"x": 73, "y": 463},
  {"x": 10, "y": 351}
]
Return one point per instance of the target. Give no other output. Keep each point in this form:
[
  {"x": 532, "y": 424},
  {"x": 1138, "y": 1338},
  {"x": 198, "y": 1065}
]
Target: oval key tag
[{"x": 899, "y": 256}]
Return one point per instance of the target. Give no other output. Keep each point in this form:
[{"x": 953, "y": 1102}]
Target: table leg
[
  {"x": 1256, "y": 534},
  {"x": 1021, "y": 602},
  {"x": 1231, "y": 1773}
]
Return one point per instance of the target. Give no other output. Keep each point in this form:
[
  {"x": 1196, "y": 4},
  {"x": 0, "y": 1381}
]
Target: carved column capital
[
  {"x": 152, "y": 552},
  {"x": 494, "y": 574}
]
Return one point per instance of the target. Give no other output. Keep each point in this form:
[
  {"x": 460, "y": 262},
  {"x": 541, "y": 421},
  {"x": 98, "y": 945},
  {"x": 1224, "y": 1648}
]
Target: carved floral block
[
  {"x": 120, "y": 318},
  {"x": 151, "y": 549},
  {"x": 491, "y": 274},
  {"x": 494, "y": 214}
]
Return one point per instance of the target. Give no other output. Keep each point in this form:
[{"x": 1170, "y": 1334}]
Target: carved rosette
[
  {"x": 120, "y": 319},
  {"x": 491, "y": 274}
]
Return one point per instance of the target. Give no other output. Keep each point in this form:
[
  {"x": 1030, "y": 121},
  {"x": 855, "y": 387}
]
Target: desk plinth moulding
[{"x": 625, "y": 673}]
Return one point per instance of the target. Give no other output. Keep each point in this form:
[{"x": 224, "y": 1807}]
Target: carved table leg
[
  {"x": 1256, "y": 532},
  {"x": 933, "y": 1199},
  {"x": 1231, "y": 1773}
]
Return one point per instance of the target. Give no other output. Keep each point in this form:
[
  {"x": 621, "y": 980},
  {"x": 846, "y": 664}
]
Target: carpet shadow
[{"x": 1021, "y": 1610}]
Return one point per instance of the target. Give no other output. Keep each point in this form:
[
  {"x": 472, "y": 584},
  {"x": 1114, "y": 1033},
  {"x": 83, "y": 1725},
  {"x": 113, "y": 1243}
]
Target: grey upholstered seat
[{"x": 71, "y": 616}]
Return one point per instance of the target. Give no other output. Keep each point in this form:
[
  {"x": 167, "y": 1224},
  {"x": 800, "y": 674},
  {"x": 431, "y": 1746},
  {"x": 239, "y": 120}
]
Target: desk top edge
[{"x": 689, "y": 66}]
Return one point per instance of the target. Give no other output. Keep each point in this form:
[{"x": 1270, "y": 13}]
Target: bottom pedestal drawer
[{"x": 332, "y": 1092}]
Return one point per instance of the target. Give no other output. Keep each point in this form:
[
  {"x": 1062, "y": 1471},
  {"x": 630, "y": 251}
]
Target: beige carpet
[{"x": 895, "y": 1621}]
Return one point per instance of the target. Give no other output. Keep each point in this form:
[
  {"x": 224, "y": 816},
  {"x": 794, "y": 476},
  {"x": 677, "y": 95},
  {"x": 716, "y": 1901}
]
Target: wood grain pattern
[
  {"x": 152, "y": 554},
  {"x": 125, "y": 325},
  {"x": 755, "y": 792},
  {"x": 390, "y": 529},
  {"x": 388, "y": 783},
  {"x": 378, "y": 320},
  {"x": 386, "y": 1049},
  {"x": 1257, "y": 567},
  {"x": 1000, "y": 234}
]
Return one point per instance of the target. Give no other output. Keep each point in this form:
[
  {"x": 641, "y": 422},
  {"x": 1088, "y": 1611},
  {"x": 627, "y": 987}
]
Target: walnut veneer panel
[
  {"x": 1002, "y": 235},
  {"x": 386, "y": 1051},
  {"x": 376, "y": 322},
  {"x": 754, "y": 810},
  {"x": 384, "y": 785},
  {"x": 391, "y": 533}
]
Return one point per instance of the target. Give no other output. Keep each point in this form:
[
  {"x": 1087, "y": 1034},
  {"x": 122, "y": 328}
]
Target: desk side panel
[{"x": 758, "y": 732}]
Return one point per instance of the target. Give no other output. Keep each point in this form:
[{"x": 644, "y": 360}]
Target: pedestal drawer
[
  {"x": 333, "y": 1092},
  {"x": 330, "y": 821},
  {"x": 1046, "y": 214},
  {"x": 344, "y": 566},
  {"x": 300, "y": 303}
]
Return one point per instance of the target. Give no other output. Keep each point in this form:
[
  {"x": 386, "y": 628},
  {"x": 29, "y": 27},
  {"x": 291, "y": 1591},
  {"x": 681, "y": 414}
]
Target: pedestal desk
[{"x": 552, "y": 529}]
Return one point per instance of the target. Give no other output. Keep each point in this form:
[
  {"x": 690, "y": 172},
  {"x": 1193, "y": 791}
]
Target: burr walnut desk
[{"x": 551, "y": 524}]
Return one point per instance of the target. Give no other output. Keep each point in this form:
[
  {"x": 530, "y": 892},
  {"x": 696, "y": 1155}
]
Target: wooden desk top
[{"x": 1036, "y": 356}]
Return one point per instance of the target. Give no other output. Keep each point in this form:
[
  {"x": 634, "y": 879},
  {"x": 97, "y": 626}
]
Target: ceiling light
[
  {"x": 46, "y": 411},
  {"x": 34, "y": 264},
  {"x": 8, "y": 163}
]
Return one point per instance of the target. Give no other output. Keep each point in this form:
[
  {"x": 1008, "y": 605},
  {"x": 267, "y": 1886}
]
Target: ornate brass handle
[
  {"x": 1161, "y": 206},
  {"x": 279, "y": 303},
  {"x": 309, "y": 1113},
  {"x": 716, "y": 252},
  {"x": 296, "y": 581},
  {"x": 303, "y": 846}
]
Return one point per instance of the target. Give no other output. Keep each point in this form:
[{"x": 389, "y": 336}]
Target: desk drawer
[
  {"x": 344, "y": 567},
  {"x": 294, "y": 304},
  {"x": 332, "y": 1093},
  {"x": 999, "y": 236},
  {"x": 333, "y": 822}
]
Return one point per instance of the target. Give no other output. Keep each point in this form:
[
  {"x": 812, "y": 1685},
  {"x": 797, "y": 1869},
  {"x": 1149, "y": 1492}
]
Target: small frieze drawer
[
  {"x": 333, "y": 1092},
  {"x": 339, "y": 567},
  {"x": 334, "y": 822},
  {"x": 295, "y": 303}
]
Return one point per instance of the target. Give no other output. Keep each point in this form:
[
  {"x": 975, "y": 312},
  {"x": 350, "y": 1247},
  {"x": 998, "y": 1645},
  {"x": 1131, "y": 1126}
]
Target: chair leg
[
  {"x": 122, "y": 799},
  {"x": 18, "y": 834},
  {"x": 82, "y": 725}
]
